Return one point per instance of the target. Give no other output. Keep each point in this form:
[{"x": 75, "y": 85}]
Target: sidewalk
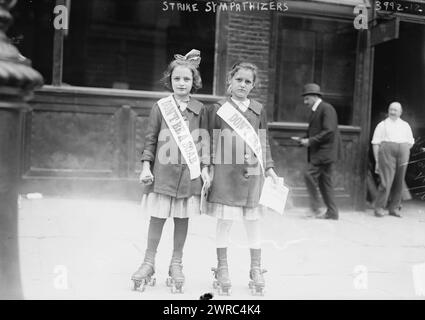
[{"x": 88, "y": 249}]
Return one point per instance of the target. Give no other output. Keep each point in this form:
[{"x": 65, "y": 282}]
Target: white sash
[
  {"x": 181, "y": 134},
  {"x": 243, "y": 128}
]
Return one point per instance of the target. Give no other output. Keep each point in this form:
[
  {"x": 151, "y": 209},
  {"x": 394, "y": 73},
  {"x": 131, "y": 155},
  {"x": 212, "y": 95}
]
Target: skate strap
[
  {"x": 176, "y": 264},
  {"x": 181, "y": 134},
  {"x": 258, "y": 271},
  {"x": 148, "y": 264}
]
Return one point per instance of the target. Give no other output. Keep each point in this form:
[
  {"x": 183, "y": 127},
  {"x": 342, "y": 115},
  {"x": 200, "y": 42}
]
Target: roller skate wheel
[
  {"x": 168, "y": 282},
  {"x": 215, "y": 284},
  {"x": 224, "y": 291},
  {"x": 136, "y": 285},
  {"x": 251, "y": 285},
  {"x": 152, "y": 282},
  {"x": 173, "y": 289},
  {"x": 179, "y": 288},
  {"x": 257, "y": 291}
]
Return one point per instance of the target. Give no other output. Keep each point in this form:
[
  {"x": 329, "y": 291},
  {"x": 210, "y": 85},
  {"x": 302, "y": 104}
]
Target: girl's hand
[
  {"x": 270, "y": 173},
  {"x": 146, "y": 176},
  {"x": 206, "y": 177}
]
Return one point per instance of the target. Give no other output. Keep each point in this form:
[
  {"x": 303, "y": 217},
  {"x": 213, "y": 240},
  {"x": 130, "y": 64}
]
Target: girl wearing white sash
[
  {"x": 172, "y": 158},
  {"x": 240, "y": 157}
]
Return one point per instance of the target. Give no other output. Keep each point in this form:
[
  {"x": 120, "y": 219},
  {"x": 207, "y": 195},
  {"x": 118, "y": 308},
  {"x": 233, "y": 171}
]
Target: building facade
[{"x": 85, "y": 131}]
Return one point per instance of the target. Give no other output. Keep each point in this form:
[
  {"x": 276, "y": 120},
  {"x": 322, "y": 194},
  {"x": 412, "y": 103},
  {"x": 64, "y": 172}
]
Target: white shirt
[
  {"x": 182, "y": 104},
  {"x": 388, "y": 130},
  {"x": 316, "y": 104},
  {"x": 242, "y": 105}
]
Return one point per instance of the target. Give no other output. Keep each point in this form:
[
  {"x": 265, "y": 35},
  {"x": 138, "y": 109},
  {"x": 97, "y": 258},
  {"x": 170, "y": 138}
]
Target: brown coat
[
  {"x": 234, "y": 183},
  {"x": 173, "y": 178}
]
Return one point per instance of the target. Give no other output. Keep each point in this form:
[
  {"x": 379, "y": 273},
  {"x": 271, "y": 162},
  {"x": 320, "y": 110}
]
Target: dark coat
[
  {"x": 237, "y": 182},
  {"x": 173, "y": 178},
  {"x": 324, "y": 136}
]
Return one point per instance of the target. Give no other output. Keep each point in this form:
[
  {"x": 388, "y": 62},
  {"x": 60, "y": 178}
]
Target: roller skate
[
  {"x": 222, "y": 281},
  {"x": 257, "y": 283},
  {"x": 176, "y": 278},
  {"x": 143, "y": 276},
  {"x": 221, "y": 274}
]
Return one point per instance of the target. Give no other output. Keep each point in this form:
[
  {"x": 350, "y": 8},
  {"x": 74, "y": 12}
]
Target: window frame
[
  {"x": 58, "y": 56},
  {"x": 333, "y": 15},
  {"x": 58, "y": 47}
]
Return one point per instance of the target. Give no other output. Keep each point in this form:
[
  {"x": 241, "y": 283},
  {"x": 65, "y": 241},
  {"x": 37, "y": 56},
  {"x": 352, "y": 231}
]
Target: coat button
[
  {"x": 246, "y": 156},
  {"x": 245, "y": 174}
]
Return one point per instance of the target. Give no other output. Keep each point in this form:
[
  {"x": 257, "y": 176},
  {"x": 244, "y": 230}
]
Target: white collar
[
  {"x": 393, "y": 121},
  {"x": 316, "y": 104},
  {"x": 182, "y": 104},
  {"x": 243, "y": 105}
]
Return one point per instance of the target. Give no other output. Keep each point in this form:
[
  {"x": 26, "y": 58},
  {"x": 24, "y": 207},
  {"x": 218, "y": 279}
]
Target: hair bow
[{"x": 193, "y": 57}]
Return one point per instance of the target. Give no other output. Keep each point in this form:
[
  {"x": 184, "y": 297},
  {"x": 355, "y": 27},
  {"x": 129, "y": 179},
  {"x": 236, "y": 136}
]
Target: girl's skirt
[
  {"x": 164, "y": 206},
  {"x": 222, "y": 211}
]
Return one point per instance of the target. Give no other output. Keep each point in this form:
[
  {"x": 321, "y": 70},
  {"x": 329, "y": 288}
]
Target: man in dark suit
[{"x": 323, "y": 143}]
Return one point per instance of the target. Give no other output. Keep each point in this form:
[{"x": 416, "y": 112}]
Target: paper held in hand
[
  {"x": 273, "y": 195},
  {"x": 204, "y": 194}
]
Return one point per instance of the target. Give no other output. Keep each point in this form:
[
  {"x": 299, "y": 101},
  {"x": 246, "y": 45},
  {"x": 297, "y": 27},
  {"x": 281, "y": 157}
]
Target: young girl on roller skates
[
  {"x": 173, "y": 163},
  {"x": 238, "y": 171}
]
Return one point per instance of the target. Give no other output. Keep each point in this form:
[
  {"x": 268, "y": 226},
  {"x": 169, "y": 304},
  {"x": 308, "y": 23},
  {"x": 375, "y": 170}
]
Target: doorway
[{"x": 399, "y": 75}]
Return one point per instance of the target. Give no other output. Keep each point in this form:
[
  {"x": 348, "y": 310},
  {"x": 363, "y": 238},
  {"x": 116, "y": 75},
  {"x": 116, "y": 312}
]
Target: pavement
[{"x": 89, "y": 248}]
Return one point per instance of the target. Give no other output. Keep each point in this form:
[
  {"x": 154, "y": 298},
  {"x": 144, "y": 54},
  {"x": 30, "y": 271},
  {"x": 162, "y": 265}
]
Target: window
[
  {"x": 315, "y": 50},
  {"x": 32, "y": 33},
  {"x": 111, "y": 43},
  {"x": 128, "y": 44}
]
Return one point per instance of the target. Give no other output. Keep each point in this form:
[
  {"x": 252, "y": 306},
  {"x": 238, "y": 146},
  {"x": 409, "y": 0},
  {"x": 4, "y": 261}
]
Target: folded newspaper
[{"x": 274, "y": 195}]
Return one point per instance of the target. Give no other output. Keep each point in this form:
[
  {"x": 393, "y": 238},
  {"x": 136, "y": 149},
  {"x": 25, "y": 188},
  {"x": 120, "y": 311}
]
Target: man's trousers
[
  {"x": 321, "y": 174},
  {"x": 393, "y": 159}
]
